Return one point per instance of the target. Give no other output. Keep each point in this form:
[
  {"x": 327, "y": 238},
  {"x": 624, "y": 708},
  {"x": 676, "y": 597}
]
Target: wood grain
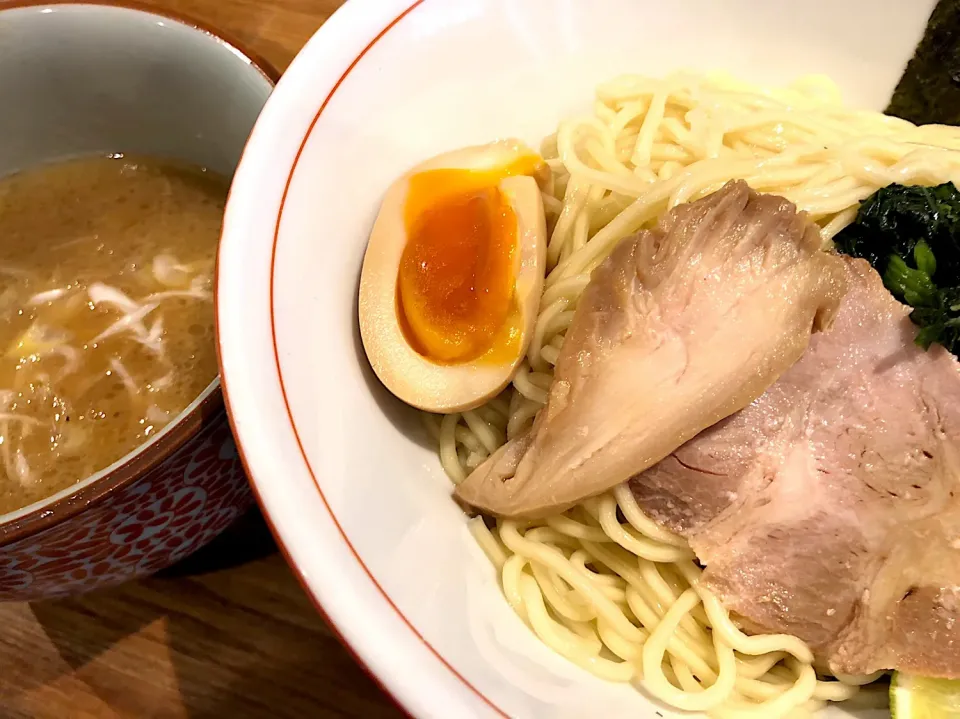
[
  {"x": 204, "y": 640},
  {"x": 274, "y": 29},
  {"x": 227, "y": 634}
]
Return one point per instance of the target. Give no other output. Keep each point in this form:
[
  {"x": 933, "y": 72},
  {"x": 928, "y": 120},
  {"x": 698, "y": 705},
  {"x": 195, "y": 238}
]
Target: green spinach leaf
[{"x": 909, "y": 234}]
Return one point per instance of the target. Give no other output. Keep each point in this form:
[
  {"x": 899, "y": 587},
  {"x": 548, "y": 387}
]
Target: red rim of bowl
[
  {"x": 226, "y": 395},
  {"x": 48, "y": 513}
]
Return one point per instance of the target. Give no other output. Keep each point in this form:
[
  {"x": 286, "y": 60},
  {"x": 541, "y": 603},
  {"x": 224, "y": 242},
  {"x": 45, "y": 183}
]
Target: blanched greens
[{"x": 911, "y": 235}]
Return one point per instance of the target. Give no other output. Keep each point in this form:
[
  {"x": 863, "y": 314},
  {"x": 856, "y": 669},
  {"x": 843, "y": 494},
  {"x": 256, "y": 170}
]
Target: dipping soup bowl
[{"x": 83, "y": 79}]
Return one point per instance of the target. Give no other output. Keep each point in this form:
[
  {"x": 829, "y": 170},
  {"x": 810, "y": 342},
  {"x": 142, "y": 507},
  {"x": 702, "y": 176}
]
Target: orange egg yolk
[{"x": 456, "y": 281}]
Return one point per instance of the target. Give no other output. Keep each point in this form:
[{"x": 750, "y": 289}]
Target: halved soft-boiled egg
[{"x": 453, "y": 273}]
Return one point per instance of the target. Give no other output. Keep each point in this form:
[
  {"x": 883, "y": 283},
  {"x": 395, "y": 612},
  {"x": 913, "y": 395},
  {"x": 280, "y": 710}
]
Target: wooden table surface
[{"x": 229, "y": 633}]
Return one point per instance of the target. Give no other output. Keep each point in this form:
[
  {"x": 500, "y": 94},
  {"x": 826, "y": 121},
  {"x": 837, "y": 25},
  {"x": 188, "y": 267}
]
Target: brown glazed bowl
[{"x": 103, "y": 77}]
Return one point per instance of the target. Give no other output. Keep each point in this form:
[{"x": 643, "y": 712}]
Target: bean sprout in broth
[{"x": 106, "y": 312}]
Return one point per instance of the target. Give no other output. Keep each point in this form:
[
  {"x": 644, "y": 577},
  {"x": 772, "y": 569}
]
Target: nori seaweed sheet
[{"x": 929, "y": 91}]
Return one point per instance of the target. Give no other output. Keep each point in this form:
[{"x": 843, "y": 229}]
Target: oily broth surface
[{"x": 106, "y": 312}]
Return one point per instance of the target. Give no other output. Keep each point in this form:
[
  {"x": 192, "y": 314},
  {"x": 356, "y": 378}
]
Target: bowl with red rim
[
  {"x": 352, "y": 487},
  {"x": 87, "y": 78}
]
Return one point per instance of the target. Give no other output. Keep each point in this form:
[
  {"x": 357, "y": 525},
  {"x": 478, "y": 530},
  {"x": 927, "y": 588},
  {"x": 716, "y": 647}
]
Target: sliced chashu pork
[
  {"x": 680, "y": 327},
  {"x": 830, "y": 507}
]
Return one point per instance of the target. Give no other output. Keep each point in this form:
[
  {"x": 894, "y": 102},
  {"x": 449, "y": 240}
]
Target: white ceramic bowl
[{"x": 354, "y": 492}]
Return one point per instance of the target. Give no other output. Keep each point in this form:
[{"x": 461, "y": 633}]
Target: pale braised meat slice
[
  {"x": 830, "y": 507},
  {"x": 680, "y": 327}
]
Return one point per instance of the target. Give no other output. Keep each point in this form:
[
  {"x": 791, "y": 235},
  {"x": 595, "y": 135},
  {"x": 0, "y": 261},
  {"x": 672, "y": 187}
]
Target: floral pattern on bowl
[{"x": 166, "y": 514}]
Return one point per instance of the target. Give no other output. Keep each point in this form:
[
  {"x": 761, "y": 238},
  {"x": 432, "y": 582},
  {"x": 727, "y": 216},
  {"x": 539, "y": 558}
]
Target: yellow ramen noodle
[{"x": 602, "y": 584}]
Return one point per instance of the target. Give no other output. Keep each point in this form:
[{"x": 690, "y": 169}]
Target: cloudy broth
[{"x": 106, "y": 312}]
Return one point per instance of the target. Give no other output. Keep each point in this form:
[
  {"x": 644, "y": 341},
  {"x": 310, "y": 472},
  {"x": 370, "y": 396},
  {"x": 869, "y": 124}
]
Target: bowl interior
[
  {"x": 91, "y": 79},
  {"x": 348, "y": 479},
  {"x": 84, "y": 79}
]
